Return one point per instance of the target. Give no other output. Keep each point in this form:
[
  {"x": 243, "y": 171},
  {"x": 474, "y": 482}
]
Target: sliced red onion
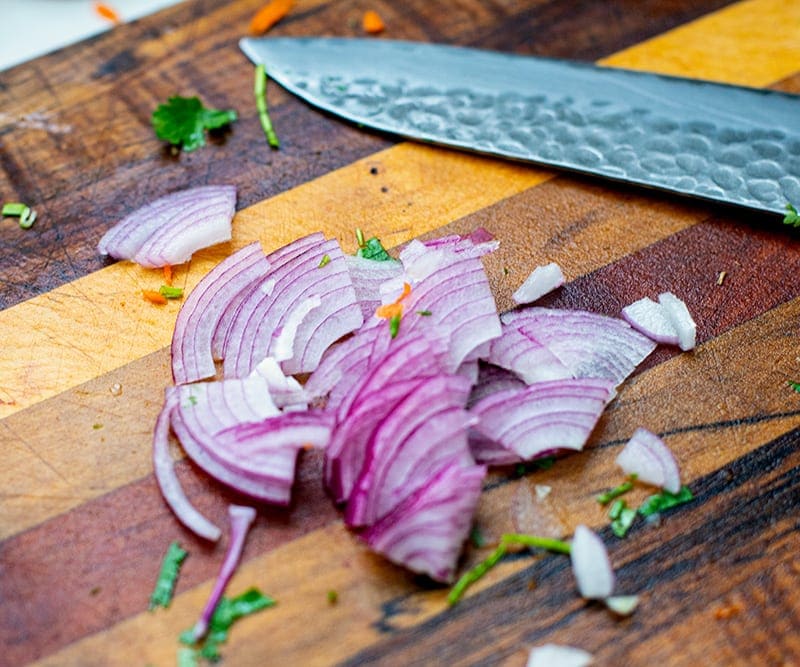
[
  {"x": 542, "y": 280},
  {"x": 648, "y": 457},
  {"x": 518, "y": 351},
  {"x": 426, "y": 531},
  {"x": 492, "y": 379},
  {"x": 558, "y": 414},
  {"x": 554, "y": 655},
  {"x": 295, "y": 275},
  {"x": 651, "y": 319},
  {"x": 423, "y": 430},
  {"x": 367, "y": 276},
  {"x": 286, "y": 391},
  {"x": 477, "y": 244},
  {"x": 589, "y": 344},
  {"x": 282, "y": 346},
  {"x": 591, "y": 565},
  {"x": 171, "y": 228},
  {"x": 168, "y": 482},
  {"x": 241, "y": 518},
  {"x": 681, "y": 320},
  {"x": 203, "y": 308}
]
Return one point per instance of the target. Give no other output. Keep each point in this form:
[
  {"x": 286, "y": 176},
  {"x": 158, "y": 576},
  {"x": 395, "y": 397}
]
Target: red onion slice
[
  {"x": 591, "y": 565},
  {"x": 477, "y": 244},
  {"x": 426, "y": 531},
  {"x": 171, "y": 490},
  {"x": 554, "y": 655},
  {"x": 651, "y": 319},
  {"x": 532, "y": 361},
  {"x": 367, "y": 276},
  {"x": 203, "y": 308},
  {"x": 681, "y": 320},
  {"x": 171, "y": 228},
  {"x": 286, "y": 391},
  {"x": 559, "y": 414},
  {"x": 542, "y": 280},
  {"x": 648, "y": 457},
  {"x": 241, "y": 518},
  {"x": 589, "y": 344}
]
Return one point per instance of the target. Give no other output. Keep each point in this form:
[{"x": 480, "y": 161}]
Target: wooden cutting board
[{"x": 85, "y": 360}]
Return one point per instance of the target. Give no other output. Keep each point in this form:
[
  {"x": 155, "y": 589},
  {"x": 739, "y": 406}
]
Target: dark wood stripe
[
  {"x": 743, "y": 521},
  {"x": 105, "y": 89}
]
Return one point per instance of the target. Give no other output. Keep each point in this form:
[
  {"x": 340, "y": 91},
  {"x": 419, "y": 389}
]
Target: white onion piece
[
  {"x": 203, "y": 308},
  {"x": 554, "y": 655},
  {"x": 367, "y": 276},
  {"x": 648, "y": 457},
  {"x": 168, "y": 482},
  {"x": 171, "y": 228},
  {"x": 588, "y": 344},
  {"x": 425, "y": 532},
  {"x": 681, "y": 320},
  {"x": 622, "y": 605},
  {"x": 427, "y": 427},
  {"x": 286, "y": 391},
  {"x": 294, "y": 276},
  {"x": 650, "y": 318},
  {"x": 542, "y": 280},
  {"x": 542, "y": 417},
  {"x": 519, "y": 352},
  {"x": 591, "y": 565},
  {"x": 241, "y": 518}
]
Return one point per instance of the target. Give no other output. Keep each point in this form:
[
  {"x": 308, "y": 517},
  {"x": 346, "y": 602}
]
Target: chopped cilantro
[
  {"x": 182, "y": 121},
  {"x": 333, "y": 597},
  {"x": 228, "y": 610},
  {"x": 792, "y": 217},
  {"x": 794, "y": 385},
  {"x": 622, "y": 517},
  {"x": 373, "y": 249},
  {"x": 616, "y": 492},
  {"x": 424, "y": 313},
  {"x": 664, "y": 501},
  {"x": 169, "y": 292},
  {"x": 326, "y": 259},
  {"x": 394, "y": 326},
  {"x": 165, "y": 584}
]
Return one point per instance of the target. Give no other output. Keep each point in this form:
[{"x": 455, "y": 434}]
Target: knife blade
[{"x": 709, "y": 140}]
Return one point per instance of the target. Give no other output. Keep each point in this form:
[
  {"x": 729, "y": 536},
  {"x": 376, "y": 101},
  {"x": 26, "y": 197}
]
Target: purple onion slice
[
  {"x": 648, "y": 457},
  {"x": 591, "y": 565}
]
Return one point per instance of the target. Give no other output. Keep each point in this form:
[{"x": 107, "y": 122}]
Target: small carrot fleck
[
  {"x": 269, "y": 15},
  {"x": 167, "y": 274},
  {"x": 154, "y": 297},
  {"x": 107, "y": 12},
  {"x": 389, "y": 310},
  {"x": 372, "y": 22}
]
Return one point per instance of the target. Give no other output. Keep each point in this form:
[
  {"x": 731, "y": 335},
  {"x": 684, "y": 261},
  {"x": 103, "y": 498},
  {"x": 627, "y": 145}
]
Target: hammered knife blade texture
[{"x": 715, "y": 141}]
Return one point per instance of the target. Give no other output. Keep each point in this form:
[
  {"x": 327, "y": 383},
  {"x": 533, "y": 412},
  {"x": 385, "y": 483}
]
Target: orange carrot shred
[
  {"x": 168, "y": 274},
  {"x": 269, "y": 15},
  {"x": 372, "y": 22},
  {"x": 107, "y": 12},
  {"x": 154, "y": 297},
  {"x": 389, "y": 310}
]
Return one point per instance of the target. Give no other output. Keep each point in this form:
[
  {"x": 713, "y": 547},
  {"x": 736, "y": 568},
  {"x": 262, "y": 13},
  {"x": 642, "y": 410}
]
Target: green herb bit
[
  {"x": 394, "y": 326},
  {"x": 26, "y": 215},
  {"x": 188, "y": 657},
  {"x": 169, "y": 292},
  {"x": 333, "y": 597},
  {"x": 260, "y": 91},
  {"x": 616, "y": 509},
  {"x": 170, "y": 568},
  {"x": 477, "y": 538},
  {"x": 360, "y": 238},
  {"x": 227, "y": 612},
  {"x": 617, "y": 491},
  {"x": 665, "y": 500},
  {"x": 794, "y": 385},
  {"x": 792, "y": 217},
  {"x": 373, "y": 249},
  {"x": 544, "y": 463},
  {"x": 182, "y": 121},
  {"x": 424, "y": 313},
  {"x": 622, "y": 522},
  {"x": 326, "y": 259},
  {"x": 546, "y": 543}
]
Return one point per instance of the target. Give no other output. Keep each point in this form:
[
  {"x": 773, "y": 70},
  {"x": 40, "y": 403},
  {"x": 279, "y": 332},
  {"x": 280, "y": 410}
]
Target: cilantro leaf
[
  {"x": 165, "y": 584},
  {"x": 182, "y": 121},
  {"x": 665, "y": 500},
  {"x": 792, "y": 217},
  {"x": 373, "y": 249},
  {"x": 794, "y": 385}
]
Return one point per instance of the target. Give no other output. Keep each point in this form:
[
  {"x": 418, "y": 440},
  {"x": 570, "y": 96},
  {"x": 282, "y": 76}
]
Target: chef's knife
[{"x": 715, "y": 141}]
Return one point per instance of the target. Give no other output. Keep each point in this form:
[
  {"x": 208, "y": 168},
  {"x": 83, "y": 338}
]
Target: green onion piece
[
  {"x": 169, "y": 292},
  {"x": 616, "y": 492},
  {"x": 326, "y": 259},
  {"x": 394, "y": 326},
  {"x": 664, "y": 501},
  {"x": 260, "y": 90},
  {"x": 333, "y": 597},
  {"x": 792, "y": 217},
  {"x": 26, "y": 215},
  {"x": 424, "y": 313},
  {"x": 471, "y": 576},
  {"x": 547, "y": 543},
  {"x": 14, "y": 209},
  {"x": 165, "y": 584},
  {"x": 616, "y": 509},
  {"x": 360, "y": 238},
  {"x": 622, "y": 523},
  {"x": 27, "y": 218}
]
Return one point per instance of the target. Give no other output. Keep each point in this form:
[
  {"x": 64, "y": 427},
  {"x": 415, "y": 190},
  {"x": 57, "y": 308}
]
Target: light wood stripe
[
  {"x": 48, "y": 334},
  {"x": 700, "y": 395}
]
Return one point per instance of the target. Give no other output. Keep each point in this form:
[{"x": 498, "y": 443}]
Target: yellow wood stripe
[
  {"x": 300, "y": 573},
  {"x": 427, "y": 188}
]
